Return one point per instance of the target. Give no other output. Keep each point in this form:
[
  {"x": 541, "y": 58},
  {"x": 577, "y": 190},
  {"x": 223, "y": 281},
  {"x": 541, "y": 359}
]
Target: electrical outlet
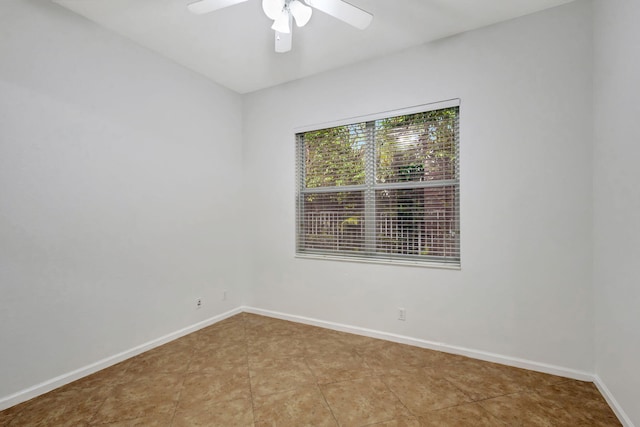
[
  {"x": 198, "y": 303},
  {"x": 224, "y": 295},
  {"x": 402, "y": 314}
]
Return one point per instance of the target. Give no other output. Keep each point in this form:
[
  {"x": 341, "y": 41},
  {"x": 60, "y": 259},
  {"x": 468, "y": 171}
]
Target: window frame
[{"x": 371, "y": 186}]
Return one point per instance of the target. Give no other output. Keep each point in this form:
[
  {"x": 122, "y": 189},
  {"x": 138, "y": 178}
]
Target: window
[{"x": 383, "y": 189}]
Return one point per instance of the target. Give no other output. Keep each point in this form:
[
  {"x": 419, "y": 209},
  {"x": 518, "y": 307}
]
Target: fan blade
[
  {"x": 272, "y": 8},
  {"x": 283, "y": 42},
  {"x": 343, "y": 11},
  {"x": 283, "y": 23},
  {"x": 301, "y": 12},
  {"x": 206, "y": 6}
]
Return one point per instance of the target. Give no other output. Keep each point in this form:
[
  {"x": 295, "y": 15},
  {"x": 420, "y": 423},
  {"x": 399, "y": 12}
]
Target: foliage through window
[{"x": 385, "y": 189}]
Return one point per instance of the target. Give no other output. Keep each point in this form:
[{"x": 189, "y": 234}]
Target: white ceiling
[{"x": 234, "y": 46}]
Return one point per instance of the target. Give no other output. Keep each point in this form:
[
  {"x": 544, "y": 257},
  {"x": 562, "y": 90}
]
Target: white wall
[
  {"x": 525, "y": 285},
  {"x": 111, "y": 220},
  {"x": 119, "y": 175},
  {"x": 617, "y": 200}
]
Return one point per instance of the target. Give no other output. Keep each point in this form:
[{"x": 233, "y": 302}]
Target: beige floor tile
[
  {"x": 202, "y": 389},
  {"x": 398, "y": 422},
  {"x": 45, "y": 410},
  {"x": 251, "y": 319},
  {"x": 528, "y": 379},
  {"x": 215, "y": 376},
  {"x": 582, "y": 401},
  {"x": 230, "y": 322},
  {"x": 277, "y": 330},
  {"x": 119, "y": 410},
  {"x": 469, "y": 415},
  {"x": 341, "y": 366},
  {"x": 151, "y": 421},
  {"x": 314, "y": 333},
  {"x": 275, "y": 347},
  {"x": 6, "y": 417},
  {"x": 272, "y": 327},
  {"x": 144, "y": 396},
  {"x": 383, "y": 356},
  {"x": 208, "y": 359},
  {"x": 387, "y": 354},
  {"x": 82, "y": 409},
  {"x": 301, "y": 407},
  {"x": 233, "y": 413},
  {"x": 527, "y": 409},
  {"x": 102, "y": 382},
  {"x": 534, "y": 380},
  {"x": 276, "y": 375},
  {"x": 324, "y": 345},
  {"x": 182, "y": 345},
  {"x": 571, "y": 390},
  {"x": 160, "y": 360},
  {"x": 479, "y": 381},
  {"x": 310, "y": 330},
  {"x": 229, "y": 333},
  {"x": 65, "y": 406},
  {"x": 424, "y": 393},
  {"x": 359, "y": 342},
  {"x": 363, "y": 401},
  {"x": 595, "y": 413}
]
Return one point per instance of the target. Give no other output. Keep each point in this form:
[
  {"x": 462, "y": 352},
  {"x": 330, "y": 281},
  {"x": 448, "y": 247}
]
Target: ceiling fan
[{"x": 284, "y": 12}]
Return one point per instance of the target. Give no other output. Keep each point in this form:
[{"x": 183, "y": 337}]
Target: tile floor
[{"x": 251, "y": 370}]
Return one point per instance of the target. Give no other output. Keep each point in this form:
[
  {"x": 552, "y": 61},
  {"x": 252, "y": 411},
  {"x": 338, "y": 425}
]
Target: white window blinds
[{"x": 383, "y": 189}]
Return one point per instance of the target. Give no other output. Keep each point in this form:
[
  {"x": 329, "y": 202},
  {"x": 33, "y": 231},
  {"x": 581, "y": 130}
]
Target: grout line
[
  {"x": 396, "y": 396},
  {"x": 192, "y": 350},
  {"x": 328, "y": 405},
  {"x": 246, "y": 356},
  {"x": 126, "y": 364},
  {"x": 430, "y": 345},
  {"x": 184, "y": 378},
  {"x": 89, "y": 421},
  {"x": 317, "y": 386},
  {"x": 491, "y": 414}
]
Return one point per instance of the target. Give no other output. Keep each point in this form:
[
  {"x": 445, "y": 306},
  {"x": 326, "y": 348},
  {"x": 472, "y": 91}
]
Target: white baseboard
[
  {"x": 59, "y": 381},
  {"x": 67, "y": 378},
  {"x": 475, "y": 354},
  {"x": 613, "y": 403}
]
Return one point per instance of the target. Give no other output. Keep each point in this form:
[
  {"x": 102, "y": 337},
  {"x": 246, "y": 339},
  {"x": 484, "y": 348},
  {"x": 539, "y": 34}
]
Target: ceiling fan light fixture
[
  {"x": 283, "y": 23},
  {"x": 273, "y": 8},
  {"x": 283, "y": 12},
  {"x": 301, "y": 12},
  {"x": 283, "y": 42}
]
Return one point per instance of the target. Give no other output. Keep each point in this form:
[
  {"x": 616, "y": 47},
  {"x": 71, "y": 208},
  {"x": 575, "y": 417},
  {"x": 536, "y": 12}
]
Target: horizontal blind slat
[{"x": 413, "y": 208}]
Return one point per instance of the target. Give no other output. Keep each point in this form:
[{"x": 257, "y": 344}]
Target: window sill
[{"x": 408, "y": 263}]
